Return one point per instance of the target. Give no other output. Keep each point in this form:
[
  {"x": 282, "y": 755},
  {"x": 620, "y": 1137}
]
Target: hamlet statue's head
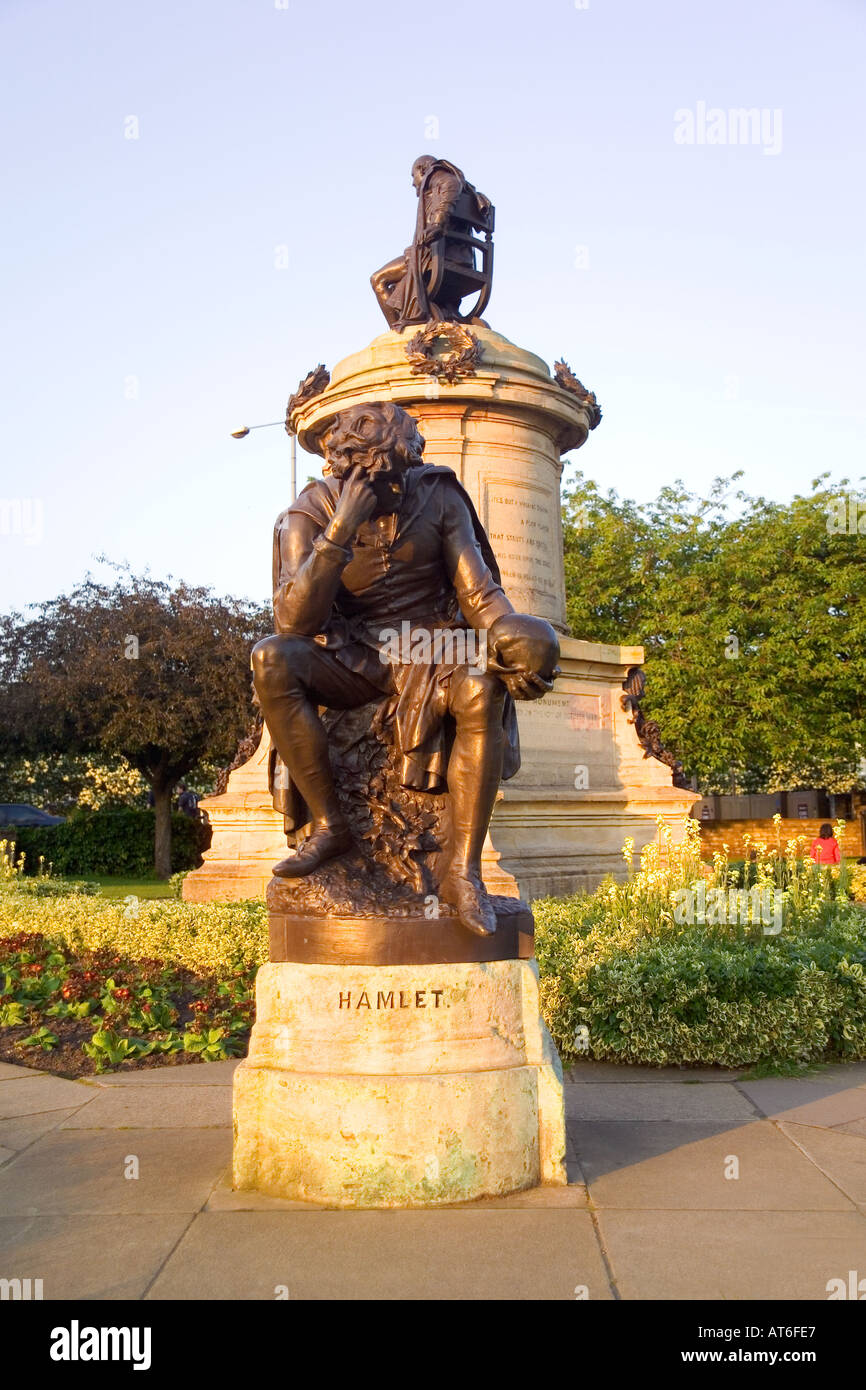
[{"x": 380, "y": 438}]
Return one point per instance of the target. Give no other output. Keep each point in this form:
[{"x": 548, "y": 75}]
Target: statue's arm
[
  {"x": 442, "y": 198},
  {"x": 310, "y": 568},
  {"x": 481, "y": 599}
]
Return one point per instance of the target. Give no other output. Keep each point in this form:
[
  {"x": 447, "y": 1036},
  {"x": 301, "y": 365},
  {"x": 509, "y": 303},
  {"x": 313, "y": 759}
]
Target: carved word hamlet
[{"x": 392, "y": 999}]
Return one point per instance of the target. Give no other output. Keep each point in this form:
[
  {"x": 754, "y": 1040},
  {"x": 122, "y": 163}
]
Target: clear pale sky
[{"x": 720, "y": 317}]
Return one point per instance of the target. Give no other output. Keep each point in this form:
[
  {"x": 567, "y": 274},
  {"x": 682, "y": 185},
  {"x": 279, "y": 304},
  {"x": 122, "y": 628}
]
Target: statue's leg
[
  {"x": 474, "y": 772},
  {"x": 293, "y": 676},
  {"x": 383, "y": 282}
]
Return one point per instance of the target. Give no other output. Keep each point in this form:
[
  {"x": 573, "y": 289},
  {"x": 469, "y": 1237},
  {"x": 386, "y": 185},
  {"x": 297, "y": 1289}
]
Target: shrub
[
  {"x": 204, "y": 937},
  {"x": 858, "y": 883},
  {"x": 116, "y": 842},
  {"x": 622, "y": 978}
]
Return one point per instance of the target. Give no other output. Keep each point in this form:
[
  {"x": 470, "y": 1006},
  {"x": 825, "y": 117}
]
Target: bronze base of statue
[{"x": 409, "y": 940}]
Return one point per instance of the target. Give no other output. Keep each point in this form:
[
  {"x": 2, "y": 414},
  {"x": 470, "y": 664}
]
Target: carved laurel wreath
[{"x": 462, "y": 361}]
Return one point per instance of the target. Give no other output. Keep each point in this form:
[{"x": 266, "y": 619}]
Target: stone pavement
[{"x": 653, "y": 1209}]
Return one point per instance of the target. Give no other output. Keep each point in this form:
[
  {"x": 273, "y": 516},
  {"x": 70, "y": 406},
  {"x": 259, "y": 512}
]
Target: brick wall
[{"x": 715, "y": 834}]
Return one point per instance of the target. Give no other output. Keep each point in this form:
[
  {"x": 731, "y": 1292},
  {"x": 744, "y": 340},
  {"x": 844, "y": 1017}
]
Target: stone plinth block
[{"x": 398, "y": 1086}]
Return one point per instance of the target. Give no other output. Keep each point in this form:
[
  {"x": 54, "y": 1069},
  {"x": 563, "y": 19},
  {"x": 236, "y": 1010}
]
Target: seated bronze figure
[
  {"x": 451, "y": 255},
  {"x": 387, "y": 543}
]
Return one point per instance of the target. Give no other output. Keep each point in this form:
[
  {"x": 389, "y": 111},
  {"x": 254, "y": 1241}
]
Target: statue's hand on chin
[{"x": 355, "y": 505}]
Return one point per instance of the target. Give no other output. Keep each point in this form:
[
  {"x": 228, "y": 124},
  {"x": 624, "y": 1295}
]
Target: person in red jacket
[{"x": 825, "y": 846}]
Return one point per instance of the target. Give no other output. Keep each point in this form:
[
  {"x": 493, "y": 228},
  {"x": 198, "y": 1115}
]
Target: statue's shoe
[
  {"x": 323, "y": 844},
  {"x": 474, "y": 907}
]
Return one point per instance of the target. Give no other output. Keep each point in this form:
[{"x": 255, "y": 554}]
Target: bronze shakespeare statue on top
[
  {"x": 451, "y": 255},
  {"x": 386, "y": 545}
]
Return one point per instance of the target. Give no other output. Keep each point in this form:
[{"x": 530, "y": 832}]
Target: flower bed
[
  {"x": 88, "y": 983},
  {"x": 648, "y": 971},
  {"x": 77, "y": 1012}
]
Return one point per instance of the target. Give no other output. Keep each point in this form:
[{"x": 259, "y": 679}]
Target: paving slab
[
  {"x": 10, "y": 1072},
  {"x": 154, "y": 1107},
  {"x": 38, "y": 1092},
  {"x": 83, "y": 1257},
  {"x": 731, "y": 1255},
  {"x": 82, "y": 1171},
  {"x": 190, "y": 1074},
  {"x": 464, "y": 1254},
  {"x": 683, "y": 1166},
  {"x": 573, "y": 1195},
  {"x": 841, "y": 1156},
  {"x": 845, "y": 1073},
  {"x": 825, "y": 1102},
  {"x": 618, "y": 1073},
  {"x": 22, "y": 1130},
  {"x": 656, "y": 1101}
]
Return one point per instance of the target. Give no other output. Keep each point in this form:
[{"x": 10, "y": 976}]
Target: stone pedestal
[
  {"x": 248, "y": 836},
  {"x": 398, "y": 1086},
  {"x": 585, "y": 783}
]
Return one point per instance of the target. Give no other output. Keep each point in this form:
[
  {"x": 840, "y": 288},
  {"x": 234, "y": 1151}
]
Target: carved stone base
[{"x": 398, "y": 1086}]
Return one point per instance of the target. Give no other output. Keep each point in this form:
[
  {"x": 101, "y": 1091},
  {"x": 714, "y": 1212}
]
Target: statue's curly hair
[{"x": 385, "y": 428}]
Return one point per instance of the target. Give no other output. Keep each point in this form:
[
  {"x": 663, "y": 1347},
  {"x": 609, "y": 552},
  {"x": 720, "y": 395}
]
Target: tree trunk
[{"x": 162, "y": 834}]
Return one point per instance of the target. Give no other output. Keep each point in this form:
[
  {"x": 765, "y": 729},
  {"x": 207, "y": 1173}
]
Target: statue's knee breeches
[
  {"x": 477, "y": 695},
  {"x": 279, "y": 664}
]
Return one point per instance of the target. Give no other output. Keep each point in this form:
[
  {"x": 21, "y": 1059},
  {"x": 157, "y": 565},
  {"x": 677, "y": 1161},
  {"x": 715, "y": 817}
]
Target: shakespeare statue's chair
[
  {"x": 461, "y": 263},
  {"x": 389, "y": 685}
]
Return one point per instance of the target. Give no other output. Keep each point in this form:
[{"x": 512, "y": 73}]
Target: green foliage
[
  {"x": 59, "y": 782},
  {"x": 206, "y": 938},
  {"x": 784, "y": 703},
  {"x": 107, "y": 1048},
  {"x": 212, "y": 1045},
  {"x": 139, "y": 670},
  {"x": 663, "y": 994},
  {"x": 42, "y": 1038},
  {"x": 108, "y": 842},
  {"x": 858, "y": 882}
]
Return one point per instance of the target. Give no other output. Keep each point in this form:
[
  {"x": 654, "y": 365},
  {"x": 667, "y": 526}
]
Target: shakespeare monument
[
  {"x": 413, "y": 689},
  {"x": 593, "y": 768}
]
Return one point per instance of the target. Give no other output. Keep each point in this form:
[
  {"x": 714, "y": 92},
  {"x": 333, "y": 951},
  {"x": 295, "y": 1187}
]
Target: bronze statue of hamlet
[{"x": 383, "y": 544}]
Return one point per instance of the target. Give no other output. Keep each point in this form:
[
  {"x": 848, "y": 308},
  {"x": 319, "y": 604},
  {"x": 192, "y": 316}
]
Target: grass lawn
[{"x": 111, "y": 887}]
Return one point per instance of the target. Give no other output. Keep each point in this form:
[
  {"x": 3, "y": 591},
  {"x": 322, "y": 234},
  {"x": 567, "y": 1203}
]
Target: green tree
[
  {"x": 753, "y": 616},
  {"x": 138, "y": 668}
]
